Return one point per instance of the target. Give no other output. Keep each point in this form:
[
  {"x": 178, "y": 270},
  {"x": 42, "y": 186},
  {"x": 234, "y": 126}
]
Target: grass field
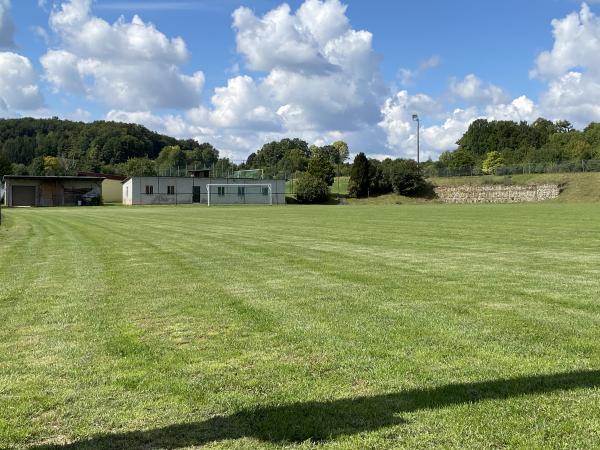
[{"x": 465, "y": 326}]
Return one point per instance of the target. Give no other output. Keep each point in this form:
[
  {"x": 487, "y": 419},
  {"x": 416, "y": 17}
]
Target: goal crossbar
[{"x": 240, "y": 193}]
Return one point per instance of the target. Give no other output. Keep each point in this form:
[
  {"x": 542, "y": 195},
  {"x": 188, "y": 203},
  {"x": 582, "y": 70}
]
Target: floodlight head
[{"x": 415, "y": 117}]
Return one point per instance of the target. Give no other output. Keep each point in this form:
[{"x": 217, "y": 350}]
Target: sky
[{"x": 240, "y": 73}]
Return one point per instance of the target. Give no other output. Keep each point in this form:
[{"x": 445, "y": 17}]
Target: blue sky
[{"x": 451, "y": 62}]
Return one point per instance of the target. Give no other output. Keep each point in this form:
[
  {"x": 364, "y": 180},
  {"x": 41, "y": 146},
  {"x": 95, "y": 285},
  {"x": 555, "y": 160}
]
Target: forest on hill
[{"x": 62, "y": 147}]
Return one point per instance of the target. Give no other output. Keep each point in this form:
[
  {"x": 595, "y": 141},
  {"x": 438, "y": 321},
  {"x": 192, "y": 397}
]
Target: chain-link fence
[{"x": 526, "y": 168}]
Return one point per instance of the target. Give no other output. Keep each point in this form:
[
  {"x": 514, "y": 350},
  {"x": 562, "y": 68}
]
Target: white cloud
[
  {"x": 440, "y": 130},
  {"x": 318, "y": 79},
  {"x": 576, "y": 44},
  {"x": 242, "y": 104},
  {"x": 443, "y": 137},
  {"x": 572, "y": 69},
  {"x": 282, "y": 40},
  {"x": 62, "y": 71},
  {"x": 80, "y": 115},
  {"x": 7, "y": 28},
  {"x": 18, "y": 83},
  {"x": 321, "y": 75},
  {"x": 170, "y": 124},
  {"x": 401, "y": 130},
  {"x": 574, "y": 96},
  {"x": 337, "y": 95},
  {"x": 520, "y": 109},
  {"x": 407, "y": 76},
  {"x": 473, "y": 90},
  {"x": 125, "y": 65}
]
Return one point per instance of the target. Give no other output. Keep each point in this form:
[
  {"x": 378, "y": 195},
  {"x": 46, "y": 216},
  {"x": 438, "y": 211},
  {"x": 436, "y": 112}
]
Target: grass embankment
[
  {"x": 465, "y": 326},
  {"x": 578, "y": 187}
]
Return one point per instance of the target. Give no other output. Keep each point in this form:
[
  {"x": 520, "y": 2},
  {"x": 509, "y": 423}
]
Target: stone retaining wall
[{"x": 497, "y": 193}]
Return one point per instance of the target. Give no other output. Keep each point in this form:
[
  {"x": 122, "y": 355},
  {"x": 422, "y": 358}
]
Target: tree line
[
  {"x": 487, "y": 145},
  {"x": 61, "y": 147}
]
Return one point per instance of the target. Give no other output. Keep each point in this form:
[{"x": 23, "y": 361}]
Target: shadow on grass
[{"x": 324, "y": 420}]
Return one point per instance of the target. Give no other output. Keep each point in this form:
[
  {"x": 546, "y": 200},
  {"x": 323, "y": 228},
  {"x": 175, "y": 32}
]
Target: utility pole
[{"x": 415, "y": 118}]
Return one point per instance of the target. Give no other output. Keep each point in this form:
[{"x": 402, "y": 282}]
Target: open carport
[{"x": 51, "y": 190}]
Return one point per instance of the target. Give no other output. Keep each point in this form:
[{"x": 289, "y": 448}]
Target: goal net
[
  {"x": 240, "y": 194},
  {"x": 255, "y": 174}
]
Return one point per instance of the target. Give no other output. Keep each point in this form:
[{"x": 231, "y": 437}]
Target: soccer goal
[
  {"x": 240, "y": 194},
  {"x": 255, "y": 174}
]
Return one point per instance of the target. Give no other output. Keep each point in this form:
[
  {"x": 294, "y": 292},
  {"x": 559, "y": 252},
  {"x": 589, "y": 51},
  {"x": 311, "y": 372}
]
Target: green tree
[
  {"x": 457, "y": 159},
  {"x": 295, "y": 160},
  {"x": 358, "y": 185},
  {"x": 343, "y": 151},
  {"x": 5, "y": 166},
  {"x": 311, "y": 189},
  {"x": 378, "y": 180},
  {"x": 139, "y": 167},
  {"x": 492, "y": 162},
  {"x": 19, "y": 169},
  {"x": 171, "y": 157},
  {"x": 564, "y": 126},
  {"x": 272, "y": 153},
  {"x": 51, "y": 165},
  {"x": 37, "y": 166},
  {"x": 320, "y": 167},
  {"x": 203, "y": 155}
]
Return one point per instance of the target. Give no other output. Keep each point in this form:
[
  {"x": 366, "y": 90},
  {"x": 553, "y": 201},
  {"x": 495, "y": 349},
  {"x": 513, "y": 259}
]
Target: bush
[
  {"x": 310, "y": 189},
  {"x": 407, "y": 178}
]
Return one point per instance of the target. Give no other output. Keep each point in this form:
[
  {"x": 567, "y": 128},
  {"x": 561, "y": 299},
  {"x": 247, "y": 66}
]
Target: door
[
  {"x": 23, "y": 196},
  {"x": 197, "y": 194}
]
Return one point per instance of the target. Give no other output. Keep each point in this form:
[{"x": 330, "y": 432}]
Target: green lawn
[{"x": 453, "y": 326}]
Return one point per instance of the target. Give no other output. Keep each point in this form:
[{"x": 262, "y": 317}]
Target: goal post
[
  {"x": 255, "y": 174},
  {"x": 239, "y": 194}
]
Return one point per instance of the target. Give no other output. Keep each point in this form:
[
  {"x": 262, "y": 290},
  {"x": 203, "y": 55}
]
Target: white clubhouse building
[{"x": 157, "y": 190}]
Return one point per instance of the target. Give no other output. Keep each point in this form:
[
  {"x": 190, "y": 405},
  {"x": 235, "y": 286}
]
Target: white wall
[
  {"x": 184, "y": 188},
  {"x": 128, "y": 192}
]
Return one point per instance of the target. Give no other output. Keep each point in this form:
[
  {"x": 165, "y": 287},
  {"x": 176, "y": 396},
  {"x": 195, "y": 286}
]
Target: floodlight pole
[{"x": 415, "y": 118}]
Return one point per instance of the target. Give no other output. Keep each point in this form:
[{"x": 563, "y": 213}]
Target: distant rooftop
[
  {"x": 108, "y": 176},
  {"x": 53, "y": 177}
]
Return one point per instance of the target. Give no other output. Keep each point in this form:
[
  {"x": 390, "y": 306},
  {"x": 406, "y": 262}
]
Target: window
[
  {"x": 170, "y": 190},
  {"x": 127, "y": 192},
  {"x": 221, "y": 190},
  {"x": 265, "y": 191},
  {"x": 241, "y": 191},
  {"x": 149, "y": 189}
]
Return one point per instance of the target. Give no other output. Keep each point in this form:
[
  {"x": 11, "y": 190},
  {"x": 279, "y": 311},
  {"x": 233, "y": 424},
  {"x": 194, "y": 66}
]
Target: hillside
[{"x": 84, "y": 146}]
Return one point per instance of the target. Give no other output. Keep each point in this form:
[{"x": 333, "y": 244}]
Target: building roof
[
  {"x": 56, "y": 178},
  {"x": 108, "y": 176}
]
